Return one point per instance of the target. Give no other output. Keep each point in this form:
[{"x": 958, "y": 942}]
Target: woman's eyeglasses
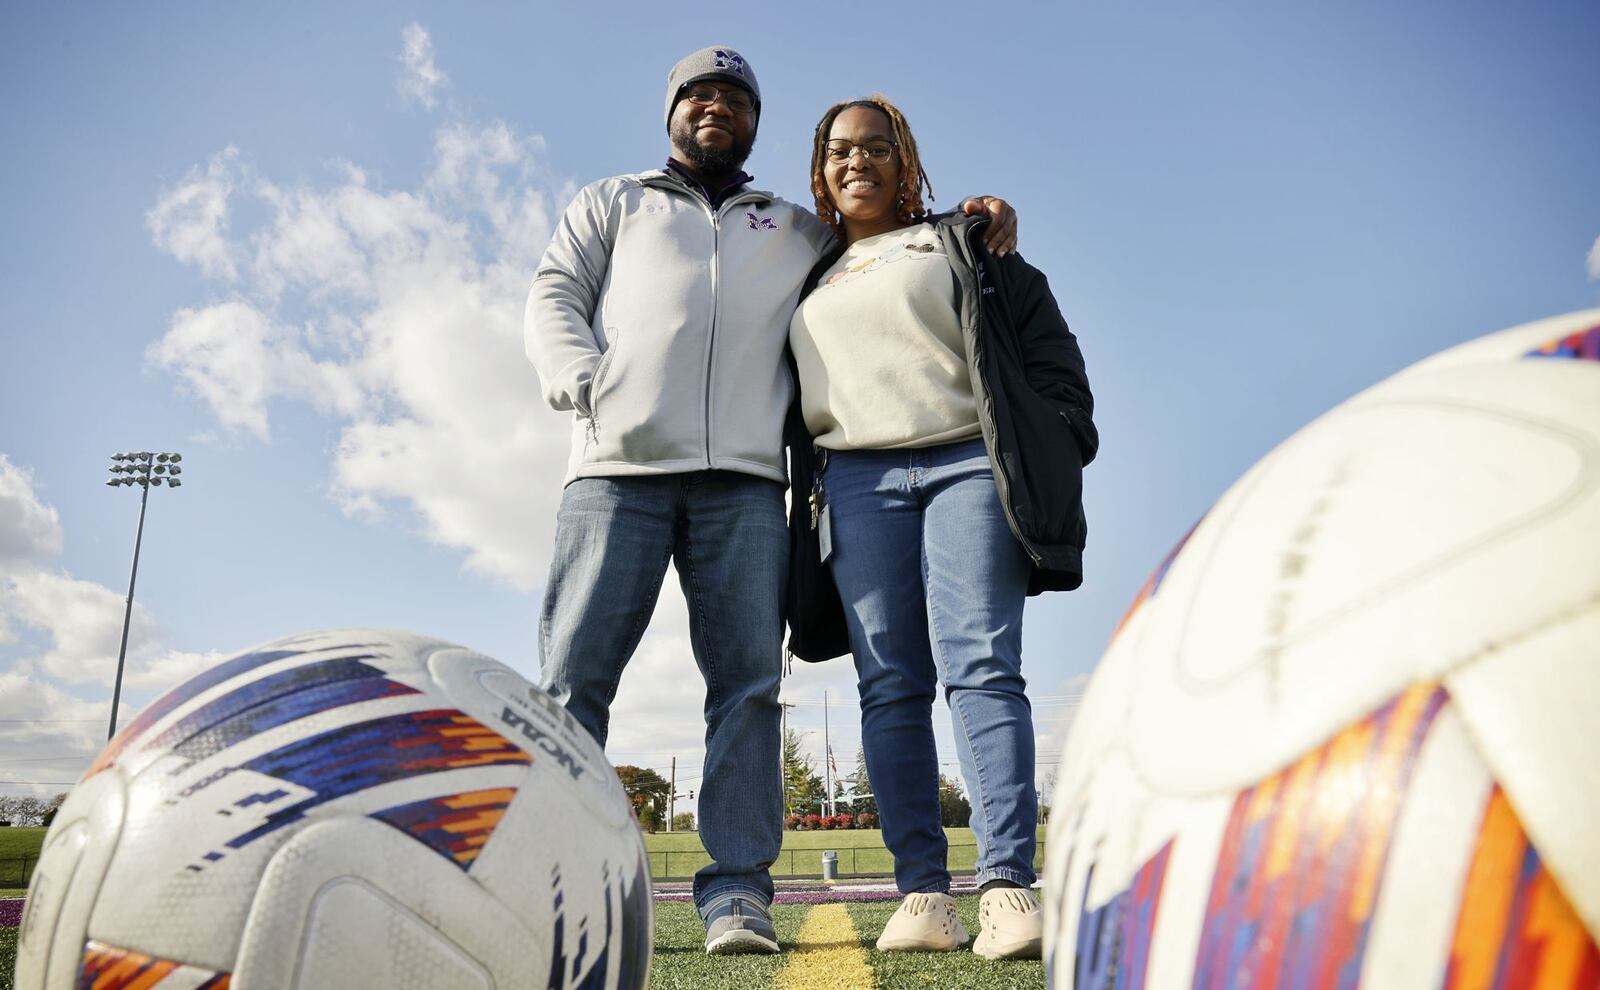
[
  {"x": 876, "y": 152},
  {"x": 737, "y": 100}
]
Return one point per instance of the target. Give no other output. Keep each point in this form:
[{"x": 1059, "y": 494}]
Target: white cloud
[
  {"x": 236, "y": 358},
  {"x": 83, "y": 621},
  {"x": 191, "y": 221},
  {"x": 1594, "y": 260},
  {"x": 29, "y": 530},
  {"x": 420, "y": 77},
  {"x": 399, "y": 313}
]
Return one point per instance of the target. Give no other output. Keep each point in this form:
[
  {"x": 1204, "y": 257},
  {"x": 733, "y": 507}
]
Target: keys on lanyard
[{"x": 817, "y": 494}]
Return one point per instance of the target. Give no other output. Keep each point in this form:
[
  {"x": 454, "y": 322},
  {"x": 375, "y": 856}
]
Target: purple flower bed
[
  {"x": 809, "y": 893},
  {"x": 807, "y": 896},
  {"x": 10, "y": 912}
]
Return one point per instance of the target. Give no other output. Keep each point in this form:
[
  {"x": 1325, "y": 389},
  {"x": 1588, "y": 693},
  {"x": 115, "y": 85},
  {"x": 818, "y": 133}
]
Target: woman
[{"x": 951, "y": 418}]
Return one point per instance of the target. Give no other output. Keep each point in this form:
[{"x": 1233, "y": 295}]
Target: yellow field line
[{"x": 827, "y": 954}]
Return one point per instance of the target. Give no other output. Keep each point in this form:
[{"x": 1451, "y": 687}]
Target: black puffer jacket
[{"x": 1037, "y": 417}]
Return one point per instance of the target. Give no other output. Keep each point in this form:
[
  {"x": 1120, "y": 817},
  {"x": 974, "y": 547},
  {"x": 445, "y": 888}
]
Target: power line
[{"x": 46, "y": 721}]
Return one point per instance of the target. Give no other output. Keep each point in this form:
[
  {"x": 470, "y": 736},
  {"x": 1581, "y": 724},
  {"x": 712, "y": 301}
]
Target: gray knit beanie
[{"x": 717, "y": 62}]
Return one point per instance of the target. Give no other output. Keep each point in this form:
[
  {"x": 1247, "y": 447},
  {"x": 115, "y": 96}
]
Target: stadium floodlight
[{"x": 144, "y": 469}]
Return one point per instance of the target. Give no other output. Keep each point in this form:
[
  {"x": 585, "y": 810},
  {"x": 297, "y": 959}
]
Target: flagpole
[{"x": 827, "y": 753}]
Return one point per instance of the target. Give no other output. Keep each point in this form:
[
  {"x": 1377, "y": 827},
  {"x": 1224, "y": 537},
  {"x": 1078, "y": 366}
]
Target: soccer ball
[
  {"x": 344, "y": 809},
  {"x": 1348, "y": 732}
]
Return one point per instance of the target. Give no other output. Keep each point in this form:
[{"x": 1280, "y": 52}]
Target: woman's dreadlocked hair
[{"x": 913, "y": 179}]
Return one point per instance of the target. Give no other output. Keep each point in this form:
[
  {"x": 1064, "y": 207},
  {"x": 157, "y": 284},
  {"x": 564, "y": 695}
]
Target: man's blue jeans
[
  {"x": 933, "y": 585},
  {"x": 726, "y": 534}
]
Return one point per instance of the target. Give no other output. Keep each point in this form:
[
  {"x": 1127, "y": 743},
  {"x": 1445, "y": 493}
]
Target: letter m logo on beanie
[{"x": 730, "y": 61}]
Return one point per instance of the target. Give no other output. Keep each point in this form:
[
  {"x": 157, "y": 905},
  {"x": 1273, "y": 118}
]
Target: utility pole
[
  {"x": 783, "y": 747},
  {"x": 672, "y": 794}
]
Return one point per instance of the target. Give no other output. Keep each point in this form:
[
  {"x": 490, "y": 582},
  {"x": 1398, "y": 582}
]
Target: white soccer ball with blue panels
[
  {"x": 344, "y": 809},
  {"x": 1348, "y": 734}
]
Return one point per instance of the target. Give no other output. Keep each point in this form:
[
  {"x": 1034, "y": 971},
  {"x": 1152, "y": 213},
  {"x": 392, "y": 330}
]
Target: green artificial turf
[
  {"x": 8, "y": 957},
  {"x": 897, "y": 970},
  {"x": 681, "y": 963}
]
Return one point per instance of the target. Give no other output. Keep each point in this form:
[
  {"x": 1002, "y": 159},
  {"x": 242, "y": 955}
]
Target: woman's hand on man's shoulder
[{"x": 1001, "y": 237}]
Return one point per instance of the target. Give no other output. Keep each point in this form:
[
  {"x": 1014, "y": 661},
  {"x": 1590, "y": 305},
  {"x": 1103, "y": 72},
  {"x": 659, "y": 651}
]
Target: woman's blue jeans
[{"x": 933, "y": 584}]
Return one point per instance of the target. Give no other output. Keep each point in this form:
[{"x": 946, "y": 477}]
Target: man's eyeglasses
[
  {"x": 876, "y": 152},
  {"x": 737, "y": 100}
]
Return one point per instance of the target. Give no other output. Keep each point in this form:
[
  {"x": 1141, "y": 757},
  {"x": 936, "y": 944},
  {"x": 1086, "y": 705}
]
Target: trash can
[{"x": 830, "y": 865}]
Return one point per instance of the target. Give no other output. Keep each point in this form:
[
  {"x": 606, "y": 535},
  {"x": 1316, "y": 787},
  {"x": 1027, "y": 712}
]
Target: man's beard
[{"x": 714, "y": 163}]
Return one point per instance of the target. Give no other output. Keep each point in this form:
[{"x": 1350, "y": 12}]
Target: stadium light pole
[{"x": 144, "y": 469}]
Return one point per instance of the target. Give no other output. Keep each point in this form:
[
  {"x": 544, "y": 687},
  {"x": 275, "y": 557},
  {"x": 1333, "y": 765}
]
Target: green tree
[
  {"x": 859, "y": 787},
  {"x": 648, "y": 792},
  {"x": 683, "y": 821},
  {"x": 954, "y": 809},
  {"x": 803, "y": 790}
]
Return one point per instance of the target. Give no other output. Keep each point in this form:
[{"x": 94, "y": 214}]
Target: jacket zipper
[
  {"x": 716, "y": 305},
  {"x": 711, "y": 333}
]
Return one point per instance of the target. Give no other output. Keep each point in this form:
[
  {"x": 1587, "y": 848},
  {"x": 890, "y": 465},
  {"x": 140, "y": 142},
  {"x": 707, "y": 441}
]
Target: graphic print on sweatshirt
[{"x": 924, "y": 250}]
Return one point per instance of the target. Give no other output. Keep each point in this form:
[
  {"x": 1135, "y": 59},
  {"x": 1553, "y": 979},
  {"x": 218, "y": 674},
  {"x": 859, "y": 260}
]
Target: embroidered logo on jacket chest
[{"x": 761, "y": 223}]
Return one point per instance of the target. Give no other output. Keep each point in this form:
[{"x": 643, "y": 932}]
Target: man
[{"x": 659, "y": 315}]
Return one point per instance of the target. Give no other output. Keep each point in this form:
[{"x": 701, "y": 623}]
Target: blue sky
[{"x": 293, "y": 243}]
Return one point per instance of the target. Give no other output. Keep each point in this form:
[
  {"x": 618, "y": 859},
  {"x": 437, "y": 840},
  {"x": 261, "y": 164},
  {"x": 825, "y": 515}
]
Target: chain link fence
[
  {"x": 16, "y": 871},
  {"x": 798, "y": 864}
]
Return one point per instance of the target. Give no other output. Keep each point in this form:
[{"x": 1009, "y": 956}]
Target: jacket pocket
[
  {"x": 1047, "y": 485},
  {"x": 1083, "y": 431},
  {"x": 595, "y": 383}
]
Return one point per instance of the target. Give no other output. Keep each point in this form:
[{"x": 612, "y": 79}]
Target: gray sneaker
[{"x": 737, "y": 924}]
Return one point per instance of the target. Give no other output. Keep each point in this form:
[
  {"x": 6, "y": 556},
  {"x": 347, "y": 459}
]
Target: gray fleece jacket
[{"x": 662, "y": 322}]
